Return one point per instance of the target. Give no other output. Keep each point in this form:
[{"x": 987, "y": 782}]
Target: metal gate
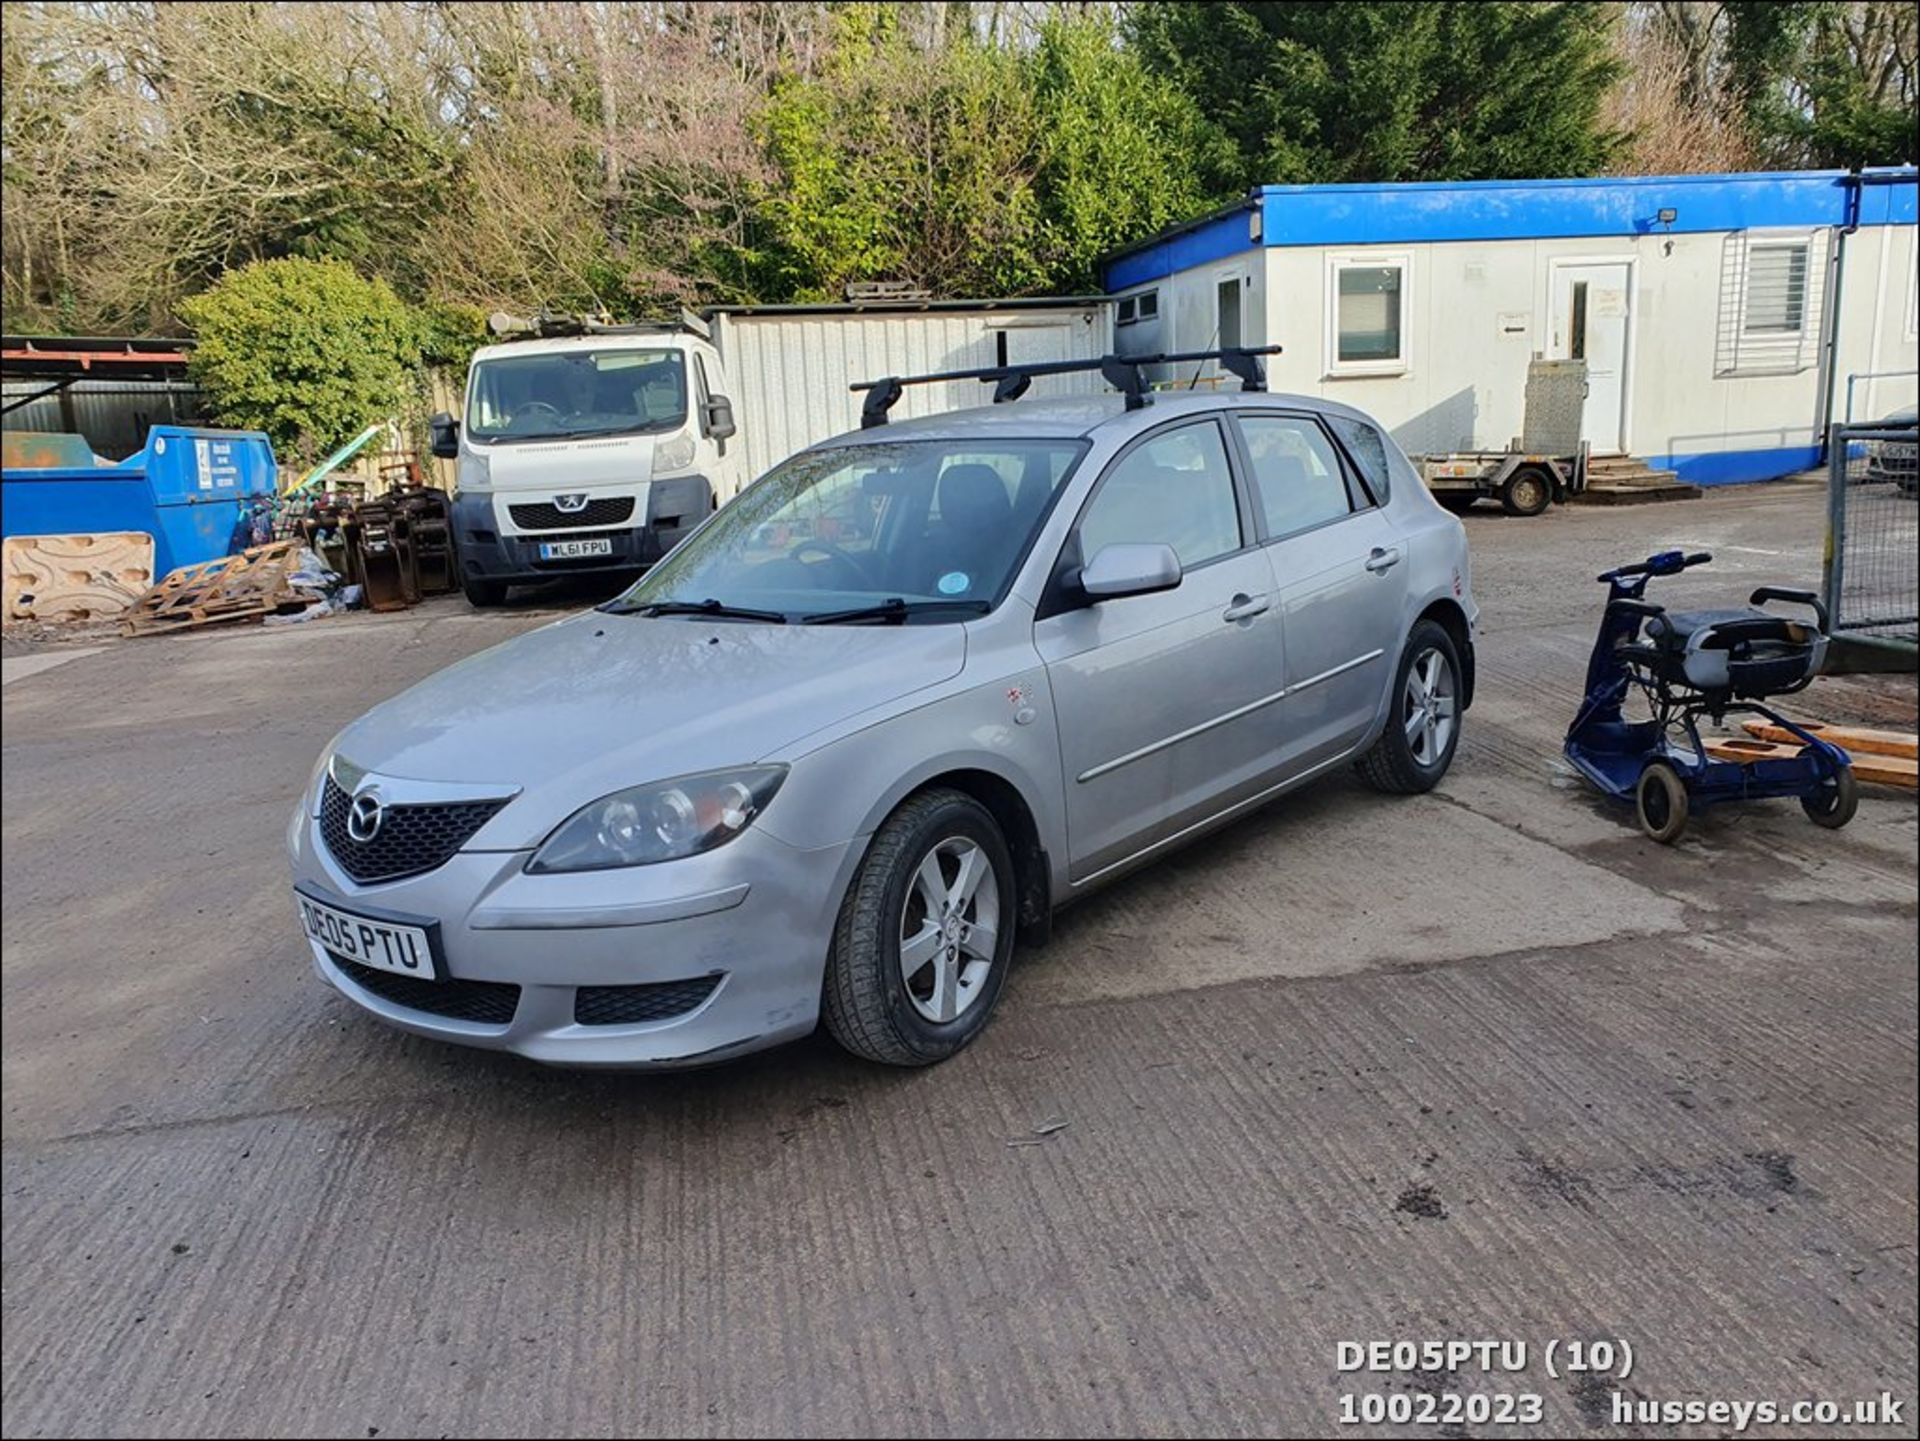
[{"x": 1873, "y": 530}]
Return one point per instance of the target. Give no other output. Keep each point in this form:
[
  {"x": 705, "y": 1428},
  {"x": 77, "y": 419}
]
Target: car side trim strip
[
  {"x": 1340, "y": 669},
  {"x": 1173, "y": 740},
  {"x": 1107, "y": 767},
  {"x": 638, "y": 913}
]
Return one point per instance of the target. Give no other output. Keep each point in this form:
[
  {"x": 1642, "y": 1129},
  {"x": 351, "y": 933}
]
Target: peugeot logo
[
  {"x": 364, "y": 817},
  {"x": 569, "y": 504}
]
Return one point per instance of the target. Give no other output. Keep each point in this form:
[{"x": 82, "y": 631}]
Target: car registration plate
[
  {"x": 384, "y": 945},
  {"x": 574, "y": 549}
]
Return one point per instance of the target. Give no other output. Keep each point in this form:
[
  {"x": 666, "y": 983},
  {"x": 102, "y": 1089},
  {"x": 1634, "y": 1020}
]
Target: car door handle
[
  {"x": 1246, "y": 607},
  {"x": 1382, "y": 560}
]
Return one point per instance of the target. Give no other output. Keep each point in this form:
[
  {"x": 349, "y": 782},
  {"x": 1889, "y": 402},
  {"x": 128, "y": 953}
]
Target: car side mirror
[
  {"x": 1128, "y": 568},
  {"x": 716, "y": 419},
  {"x": 444, "y": 435}
]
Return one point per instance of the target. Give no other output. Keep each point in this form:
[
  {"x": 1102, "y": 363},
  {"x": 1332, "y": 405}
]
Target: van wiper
[
  {"x": 895, "y": 609},
  {"x": 693, "y": 607}
]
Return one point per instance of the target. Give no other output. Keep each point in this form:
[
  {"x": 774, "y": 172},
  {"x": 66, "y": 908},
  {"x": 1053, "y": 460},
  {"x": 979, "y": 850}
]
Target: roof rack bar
[{"x": 1010, "y": 382}]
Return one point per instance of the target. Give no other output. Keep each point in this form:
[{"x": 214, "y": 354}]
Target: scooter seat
[{"x": 1749, "y": 653}]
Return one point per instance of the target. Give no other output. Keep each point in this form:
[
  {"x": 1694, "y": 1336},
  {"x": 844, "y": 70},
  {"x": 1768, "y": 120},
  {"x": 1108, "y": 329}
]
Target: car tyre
[
  {"x": 483, "y": 593},
  {"x": 877, "y": 1003},
  {"x": 1660, "y": 798},
  {"x": 1528, "y": 491},
  {"x": 1417, "y": 746}
]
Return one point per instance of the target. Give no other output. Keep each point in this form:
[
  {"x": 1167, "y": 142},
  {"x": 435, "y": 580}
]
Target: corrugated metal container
[
  {"x": 184, "y": 490},
  {"x": 790, "y": 371}
]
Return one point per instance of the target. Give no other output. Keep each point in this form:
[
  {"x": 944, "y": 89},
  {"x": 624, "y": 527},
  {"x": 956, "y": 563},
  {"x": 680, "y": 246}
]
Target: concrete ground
[{"x": 1483, "y": 1064}]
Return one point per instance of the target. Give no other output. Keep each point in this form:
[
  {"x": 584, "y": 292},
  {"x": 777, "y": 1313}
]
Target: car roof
[{"x": 1075, "y": 416}]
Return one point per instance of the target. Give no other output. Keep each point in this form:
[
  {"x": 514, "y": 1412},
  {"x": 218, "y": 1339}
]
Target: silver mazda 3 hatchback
[{"x": 882, "y": 714}]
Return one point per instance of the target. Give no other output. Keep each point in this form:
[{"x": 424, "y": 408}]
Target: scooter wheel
[
  {"x": 1835, "y": 802},
  {"x": 1661, "y": 798}
]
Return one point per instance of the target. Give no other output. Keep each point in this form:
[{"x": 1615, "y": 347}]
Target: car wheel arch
[
  {"x": 1450, "y": 617},
  {"x": 1007, "y": 802}
]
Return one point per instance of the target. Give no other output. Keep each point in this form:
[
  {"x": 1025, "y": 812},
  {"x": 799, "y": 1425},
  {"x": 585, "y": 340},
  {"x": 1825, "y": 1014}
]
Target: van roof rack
[
  {"x": 557, "y": 324},
  {"x": 1010, "y": 382}
]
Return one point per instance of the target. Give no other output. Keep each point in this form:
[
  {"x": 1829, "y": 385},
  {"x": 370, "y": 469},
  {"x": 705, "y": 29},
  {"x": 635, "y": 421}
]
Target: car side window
[
  {"x": 1175, "y": 489},
  {"x": 1368, "y": 450},
  {"x": 1297, "y": 481}
]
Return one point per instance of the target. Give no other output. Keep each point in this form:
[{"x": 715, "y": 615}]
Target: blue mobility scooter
[{"x": 1690, "y": 664}]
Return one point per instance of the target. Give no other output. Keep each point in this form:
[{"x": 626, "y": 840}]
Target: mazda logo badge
[
  {"x": 364, "y": 817},
  {"x": 568, "y": 504}
]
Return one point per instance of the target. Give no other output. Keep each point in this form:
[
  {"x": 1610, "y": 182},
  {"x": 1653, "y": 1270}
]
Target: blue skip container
[{"x": 185, "y": 489}]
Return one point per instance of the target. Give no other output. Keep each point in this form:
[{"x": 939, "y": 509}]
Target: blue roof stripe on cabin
[{"x": 1388, "y": 214}]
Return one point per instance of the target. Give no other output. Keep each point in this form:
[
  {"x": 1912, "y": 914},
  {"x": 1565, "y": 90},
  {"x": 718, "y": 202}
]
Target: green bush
[{"x": 307, "y": 350}]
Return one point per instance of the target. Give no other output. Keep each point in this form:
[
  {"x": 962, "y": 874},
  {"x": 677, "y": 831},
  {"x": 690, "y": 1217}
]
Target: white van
[
  {"x": 595, "y": 447},
  {"x": 586, "y": 452}
]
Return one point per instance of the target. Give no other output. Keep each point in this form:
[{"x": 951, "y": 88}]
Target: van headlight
[
  {"x": 667, "y": 821},
  {"x": 674, "y": 453}
]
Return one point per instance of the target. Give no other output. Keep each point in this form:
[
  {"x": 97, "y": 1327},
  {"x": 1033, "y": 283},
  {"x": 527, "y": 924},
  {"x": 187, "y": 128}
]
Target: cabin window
[{"x": 1366, "y": 308}]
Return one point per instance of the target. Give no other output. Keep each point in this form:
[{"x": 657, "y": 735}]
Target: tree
[
  {"x": 1825, "y": 83},
  {"x": 1445, "y": 90},
  {"x": 901, "y": 162},
  {"x": 1123, "y": 152},
  {"x": 306, "y": 350}
]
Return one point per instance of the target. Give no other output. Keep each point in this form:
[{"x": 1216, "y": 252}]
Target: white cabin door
[{"x": 1592, "y": 307}]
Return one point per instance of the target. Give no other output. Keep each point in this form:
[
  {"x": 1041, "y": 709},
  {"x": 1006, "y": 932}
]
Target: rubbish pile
[{"x": 273, "y": 581}]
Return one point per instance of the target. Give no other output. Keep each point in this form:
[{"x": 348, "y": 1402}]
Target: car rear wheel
[
  {"x": 1423, "y": 724},
  {"x": 921, "y": 947}
]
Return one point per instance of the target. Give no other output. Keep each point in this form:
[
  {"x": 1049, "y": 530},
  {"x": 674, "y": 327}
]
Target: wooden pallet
[
  {"x": 242, "y": 587},
  {"x": 1883, "y": 770}
]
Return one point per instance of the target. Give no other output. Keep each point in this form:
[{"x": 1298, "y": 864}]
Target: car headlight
[
  {"x": 666, "y": 821},
  {"x": 673, "y": 454}
]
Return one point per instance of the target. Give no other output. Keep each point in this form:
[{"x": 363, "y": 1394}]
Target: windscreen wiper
[
  {"x": 895, "y": 609},
  {"x": 693, "y": 607}
]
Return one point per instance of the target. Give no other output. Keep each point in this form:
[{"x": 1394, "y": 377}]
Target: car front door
[
  {"x": 1340, "y": 574},
  {"x": 1163, "y": 701}
]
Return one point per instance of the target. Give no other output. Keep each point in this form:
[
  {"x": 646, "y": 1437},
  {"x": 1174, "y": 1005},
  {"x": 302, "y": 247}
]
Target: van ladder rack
[{"x": 1010, "y": 382}]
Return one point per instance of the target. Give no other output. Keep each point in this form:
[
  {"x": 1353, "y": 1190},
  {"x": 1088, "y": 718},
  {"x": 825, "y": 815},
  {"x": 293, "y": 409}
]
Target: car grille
[
  {"x": 613, "y": 510},
  {"x": 411, "y": 841},
  {"x": 489, "y": 1003},
  {"x": 629, "y": 1005}
]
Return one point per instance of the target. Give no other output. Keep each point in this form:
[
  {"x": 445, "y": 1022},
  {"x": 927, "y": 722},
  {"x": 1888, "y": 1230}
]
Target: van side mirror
[
  {"x": 716, "y": 418},
  {"x": 444, "y": 435},
  {"x": 1128, "y": 568}
]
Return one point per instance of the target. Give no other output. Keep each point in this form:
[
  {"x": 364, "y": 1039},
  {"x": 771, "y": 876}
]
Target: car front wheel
[
  {"x": 921, "y": 947},
  {"x": 1423, "y": 722}
]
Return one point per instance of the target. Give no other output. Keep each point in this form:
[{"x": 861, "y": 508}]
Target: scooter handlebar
[{"x": 1667, "y": 562}]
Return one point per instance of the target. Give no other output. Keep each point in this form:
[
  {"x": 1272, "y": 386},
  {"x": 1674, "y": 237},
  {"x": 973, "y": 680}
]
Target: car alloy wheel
[
  {"x": 1432, "y": 706},
  {"x": 949, "y": 929}
]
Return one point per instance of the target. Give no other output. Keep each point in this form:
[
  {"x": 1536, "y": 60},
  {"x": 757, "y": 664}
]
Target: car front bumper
[{"x": 737, "y": 938}]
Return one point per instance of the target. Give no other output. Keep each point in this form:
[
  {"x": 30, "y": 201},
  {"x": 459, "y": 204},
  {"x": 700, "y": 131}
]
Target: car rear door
[
  {"x": 1164, "y": 701},
  {"x": 1340, "y": 575}
]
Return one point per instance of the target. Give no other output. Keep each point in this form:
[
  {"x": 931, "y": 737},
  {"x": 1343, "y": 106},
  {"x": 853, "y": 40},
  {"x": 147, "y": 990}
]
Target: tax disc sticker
[{"x": 953, "y": 582}]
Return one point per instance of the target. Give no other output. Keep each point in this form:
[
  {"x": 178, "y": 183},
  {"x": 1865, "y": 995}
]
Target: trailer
[
  {"x": 1524, "y": 482},
  {"x": 1544, "y": 464}
]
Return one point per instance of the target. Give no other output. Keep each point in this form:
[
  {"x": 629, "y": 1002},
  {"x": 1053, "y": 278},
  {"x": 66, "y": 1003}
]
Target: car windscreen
[
  {"x": 572, "y": 393},
  {"x": 933, "y": 530}
]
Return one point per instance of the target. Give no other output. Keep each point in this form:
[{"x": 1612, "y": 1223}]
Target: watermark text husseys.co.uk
[{"x": 1881, "y": 1410}]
